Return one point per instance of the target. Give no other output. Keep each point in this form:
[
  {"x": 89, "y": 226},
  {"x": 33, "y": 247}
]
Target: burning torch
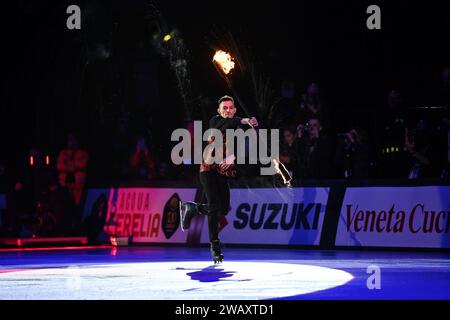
[{"x": 224, "y": 65}]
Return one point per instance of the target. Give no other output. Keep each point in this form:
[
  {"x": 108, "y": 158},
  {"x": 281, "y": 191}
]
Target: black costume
[
  {"x": 214, "y": 181},
  {"x": 215, "y": 185}
]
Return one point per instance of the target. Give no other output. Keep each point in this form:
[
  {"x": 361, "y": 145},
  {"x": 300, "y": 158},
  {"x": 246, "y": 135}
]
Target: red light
[
  {"x": 31, "y": 160},
  {"x": 113, "y": 240},
  {"x": 47, "y": 160},
  {"x": 19, "y": 242},
  {"x": 54, "y": 248}
]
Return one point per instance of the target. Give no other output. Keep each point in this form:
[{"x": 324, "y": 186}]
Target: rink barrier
[{"x": 146, "y": 213}]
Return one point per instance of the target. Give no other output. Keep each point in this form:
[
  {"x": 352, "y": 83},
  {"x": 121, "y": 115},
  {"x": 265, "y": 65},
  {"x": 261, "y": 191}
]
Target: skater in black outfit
[{"x": 214, "y": 179}]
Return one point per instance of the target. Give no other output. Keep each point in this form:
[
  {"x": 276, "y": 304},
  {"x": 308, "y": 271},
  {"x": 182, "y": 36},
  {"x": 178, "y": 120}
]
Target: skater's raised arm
[{"x": 218, "y": 122}]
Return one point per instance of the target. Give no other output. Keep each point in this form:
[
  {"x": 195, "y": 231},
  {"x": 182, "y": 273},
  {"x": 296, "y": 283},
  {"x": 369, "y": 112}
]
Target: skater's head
[{"x": 226, "y": 107}]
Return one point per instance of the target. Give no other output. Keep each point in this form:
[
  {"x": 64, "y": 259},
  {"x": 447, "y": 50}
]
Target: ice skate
[
  {"x": 216, "y": 251},
  {"x": 188, "y": 210}
]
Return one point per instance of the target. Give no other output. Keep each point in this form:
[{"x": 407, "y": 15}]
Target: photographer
[
  {"x": 392, "y": 122},
  {"x": 314, "y": 151},
  {"x": 311, "y": 105},
  {"x": 355, "y": 157}
]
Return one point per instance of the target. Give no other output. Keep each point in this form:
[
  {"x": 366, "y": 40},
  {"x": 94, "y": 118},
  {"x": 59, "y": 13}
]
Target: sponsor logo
[
  {"x": 130, "y": 215},
  {"x": 171, "y": 218},
  {"x": 275, "y": 216},
  {"x": 418, "y": 219}
]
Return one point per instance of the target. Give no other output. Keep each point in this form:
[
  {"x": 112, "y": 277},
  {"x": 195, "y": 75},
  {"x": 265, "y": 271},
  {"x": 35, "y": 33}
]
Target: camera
[{"x": 303, "y": 129}]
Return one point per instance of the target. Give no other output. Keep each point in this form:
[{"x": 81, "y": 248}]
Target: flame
[{"x": 224, "y": 60}]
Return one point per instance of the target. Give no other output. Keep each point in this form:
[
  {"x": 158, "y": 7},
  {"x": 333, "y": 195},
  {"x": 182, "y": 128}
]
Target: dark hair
[
  {"x": 291, "y": 129},
  {"x": 225, "y": 98}
]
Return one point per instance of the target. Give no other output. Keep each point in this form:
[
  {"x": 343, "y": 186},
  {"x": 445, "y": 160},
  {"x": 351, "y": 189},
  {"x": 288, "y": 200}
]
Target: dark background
[{"x": 56, "y": 80}]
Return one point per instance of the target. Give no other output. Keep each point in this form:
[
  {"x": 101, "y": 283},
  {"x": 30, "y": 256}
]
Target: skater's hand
[
  {"x": 250, "y": 121},
  {"x": 253, "y": 122}
]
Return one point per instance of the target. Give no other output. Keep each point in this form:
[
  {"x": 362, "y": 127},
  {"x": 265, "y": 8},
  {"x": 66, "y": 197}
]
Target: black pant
[{"x": 217, "y": 193}]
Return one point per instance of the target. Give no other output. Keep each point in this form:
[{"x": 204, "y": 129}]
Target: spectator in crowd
[
  {"x": 390, "y": 136},
  {"x": 310, "y": 101},
  {"x": 72, "y": 165},
  {"x": 20, "y": 208},
  {"x": 419, "y": 148},
  {"x": 56, "y": 211},
  {"x": 289, "y": 151},
  {"x": 286, "y": 105},
  {"x": 355, "y": 156},
  {"x": 48, "y": 222},
  {"x": 142, "y": 162},
  {"x": 314, "y": 151},
  {"x": 311, "y": 105}
]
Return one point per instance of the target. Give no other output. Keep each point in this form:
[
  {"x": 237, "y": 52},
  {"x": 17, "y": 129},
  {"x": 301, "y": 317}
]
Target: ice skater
[{"x": 214, "y": 179}]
